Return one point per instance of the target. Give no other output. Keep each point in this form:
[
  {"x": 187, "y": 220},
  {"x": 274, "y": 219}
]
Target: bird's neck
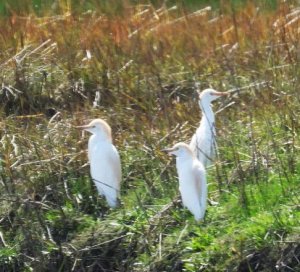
[
  {"x": 183, "y": 164},
  {"x": 207, "y": 113},
  {"x": 182, "y": 160},
  {"x": 101, "y": 137}
]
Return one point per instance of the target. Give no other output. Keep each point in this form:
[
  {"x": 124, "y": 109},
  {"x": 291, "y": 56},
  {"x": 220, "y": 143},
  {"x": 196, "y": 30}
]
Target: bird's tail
[
  {"x": 203, "y": 199},
  {"x": 112, "y": 202}
]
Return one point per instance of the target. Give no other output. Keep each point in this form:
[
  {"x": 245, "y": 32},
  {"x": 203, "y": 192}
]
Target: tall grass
[{"x": 138, "y": 71}]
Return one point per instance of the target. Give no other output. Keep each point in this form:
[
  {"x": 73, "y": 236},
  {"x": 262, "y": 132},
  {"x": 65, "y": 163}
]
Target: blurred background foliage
[
  {"x": 116, "y": 7},
  {"x": 137, "y": 65}
]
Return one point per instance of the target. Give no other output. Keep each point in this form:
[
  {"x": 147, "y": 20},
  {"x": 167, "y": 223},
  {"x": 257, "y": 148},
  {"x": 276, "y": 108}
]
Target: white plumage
[
  {"x": 192, "y": 179},
  {"x": 203, "y": 142},
  {"x": 105, "y": 164}
]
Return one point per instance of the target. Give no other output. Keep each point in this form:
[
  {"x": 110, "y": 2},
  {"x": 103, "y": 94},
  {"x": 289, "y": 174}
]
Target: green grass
[{"x": 51, "y": 218}]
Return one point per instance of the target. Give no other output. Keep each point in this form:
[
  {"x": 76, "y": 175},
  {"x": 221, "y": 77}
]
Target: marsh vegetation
[{"x": 136, "y": 65}]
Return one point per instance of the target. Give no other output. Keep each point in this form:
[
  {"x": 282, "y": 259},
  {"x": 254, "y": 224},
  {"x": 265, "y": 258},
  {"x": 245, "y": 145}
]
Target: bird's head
[
  {"x": 98, "y": 127},
  {"x": 179, "y": 150},
  {"x": 209, "y": 95}
]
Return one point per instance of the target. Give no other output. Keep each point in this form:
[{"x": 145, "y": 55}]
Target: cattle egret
[
  {"x": 105, "y": 164},
  {"x": 203, "y": 142},
  {"x": 192, "y": 179}
]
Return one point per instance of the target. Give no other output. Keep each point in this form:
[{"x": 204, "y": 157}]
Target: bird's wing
[
  {"x": 201, "y": 137},
  {"x": 201, "y": 186},
  {"x": 115, "y": 162}
]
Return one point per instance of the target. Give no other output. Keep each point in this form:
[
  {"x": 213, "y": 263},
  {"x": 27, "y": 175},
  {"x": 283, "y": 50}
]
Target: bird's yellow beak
[
  {"x": 216, "y": 93},
  {"x": 168, "y": 150},
  {"x": 83, "y": 127},
  {"x": 221, "y": 93}
]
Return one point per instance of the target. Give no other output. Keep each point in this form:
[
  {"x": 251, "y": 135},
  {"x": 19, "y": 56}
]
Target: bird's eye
[{"x": 93, "y": 126}]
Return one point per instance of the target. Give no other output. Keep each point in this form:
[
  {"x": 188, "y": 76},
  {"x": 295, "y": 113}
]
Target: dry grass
[{"x": 138, "y": 71}]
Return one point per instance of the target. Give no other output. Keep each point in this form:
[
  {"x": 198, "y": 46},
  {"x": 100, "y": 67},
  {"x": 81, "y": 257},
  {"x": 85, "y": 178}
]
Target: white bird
[
  {"x": 105, "y": 164},
  {"x": 192, "y": 179},
  {"x": 203, "y": 142}
]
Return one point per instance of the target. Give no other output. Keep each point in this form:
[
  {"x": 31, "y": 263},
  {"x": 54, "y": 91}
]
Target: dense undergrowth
[{"x": 138, "y": 70}]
